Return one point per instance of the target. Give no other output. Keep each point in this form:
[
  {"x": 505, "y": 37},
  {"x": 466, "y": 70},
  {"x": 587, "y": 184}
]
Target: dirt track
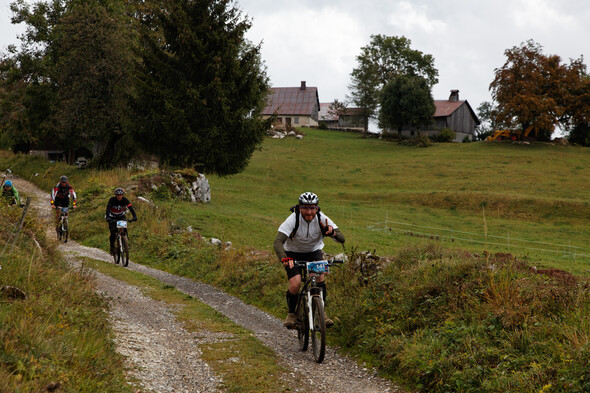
[{"x": 167, "y": 356}]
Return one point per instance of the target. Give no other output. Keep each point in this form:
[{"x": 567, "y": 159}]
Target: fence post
[{"x": 21, "y": 222}]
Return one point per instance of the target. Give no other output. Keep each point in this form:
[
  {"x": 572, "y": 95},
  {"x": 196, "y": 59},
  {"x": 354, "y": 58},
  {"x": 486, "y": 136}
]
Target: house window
[{"x": 296, "y": 120}]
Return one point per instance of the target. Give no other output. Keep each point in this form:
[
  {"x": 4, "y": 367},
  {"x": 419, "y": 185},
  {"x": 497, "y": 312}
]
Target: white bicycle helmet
[
  {"x": 308, "y": 198},
  {"x": 119, "y": 191}
]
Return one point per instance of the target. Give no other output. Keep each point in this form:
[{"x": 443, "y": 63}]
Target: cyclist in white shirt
[{"x": 301, "y": 238}]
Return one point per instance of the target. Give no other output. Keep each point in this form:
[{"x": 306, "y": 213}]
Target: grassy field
[
  {"x": 456, "y": 306},
  {"x": 531, "y": 200}
]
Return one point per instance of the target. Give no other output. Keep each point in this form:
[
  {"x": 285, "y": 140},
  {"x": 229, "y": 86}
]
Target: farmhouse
[
  {"x": 350, "y": 119},
  {"x": 293, "y": 106},
  {"x": 452, "y": 113}
]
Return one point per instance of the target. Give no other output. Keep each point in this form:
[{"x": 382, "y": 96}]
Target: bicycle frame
[
  {"x": 122, "y": 243},
  {"x": 313, "y": 303},
  {"x": 63, "y": 229}
]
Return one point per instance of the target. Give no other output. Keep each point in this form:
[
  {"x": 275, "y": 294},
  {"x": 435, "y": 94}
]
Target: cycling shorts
[{"x": 316, "y": 255}]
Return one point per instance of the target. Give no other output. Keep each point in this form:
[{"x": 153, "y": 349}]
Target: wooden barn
[{"x": 452, "y": 113}]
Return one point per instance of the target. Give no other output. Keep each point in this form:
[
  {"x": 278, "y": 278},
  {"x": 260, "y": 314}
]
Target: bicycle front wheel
[
  {"x": 318, "y": 331},
  {"x": 117, "y": 253},
  {"x": 125, "y": 248},
  {"x": 302, "y": 324},
  {"x": 65, "y": 231}
]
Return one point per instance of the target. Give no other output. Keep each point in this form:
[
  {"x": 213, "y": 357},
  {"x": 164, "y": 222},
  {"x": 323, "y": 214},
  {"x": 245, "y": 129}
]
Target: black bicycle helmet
[
  {"x": 308, "y": 198},
  {"x": 64, "y": 178},
  {"x": 119, "y": 191}
]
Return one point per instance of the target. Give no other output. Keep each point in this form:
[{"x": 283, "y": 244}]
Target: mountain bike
[
  {"x": 122, "y": 243},
  {"x": 310, "y": 307},
  {"x": 62, "y": 226}
]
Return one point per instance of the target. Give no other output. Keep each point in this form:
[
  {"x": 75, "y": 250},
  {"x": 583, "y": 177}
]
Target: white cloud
[
  {"x": 315, "y": 45},
  {"x": 409, "y": 17},
  {"x": 539, "y": 14}
]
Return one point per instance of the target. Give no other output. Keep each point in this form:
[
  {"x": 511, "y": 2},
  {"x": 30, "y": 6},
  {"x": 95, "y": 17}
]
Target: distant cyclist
[
  {"x": 10, "y": 193},
  {"x": 301, "y": 238},
  {"x": 60, "y": 196},
  {"x": 116, "y": 208}
]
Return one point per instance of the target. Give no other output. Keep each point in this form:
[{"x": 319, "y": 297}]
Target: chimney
[
  {"x": 302, "y": 85},
  {"x": 454, "y": 95}
]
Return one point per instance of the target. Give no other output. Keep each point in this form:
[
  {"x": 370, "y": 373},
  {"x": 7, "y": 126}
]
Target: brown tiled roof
[
  {"x": 445, "y": 108},
  {"x": 354, "y": 111},
  {"x": 291, "y": 101}
]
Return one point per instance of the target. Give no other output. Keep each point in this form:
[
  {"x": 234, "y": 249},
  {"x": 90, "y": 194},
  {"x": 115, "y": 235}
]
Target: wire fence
[{"x": 506, "y": 242}]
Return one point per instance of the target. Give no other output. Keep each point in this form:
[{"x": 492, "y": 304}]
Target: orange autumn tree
[{"x": 534, "y": 89}]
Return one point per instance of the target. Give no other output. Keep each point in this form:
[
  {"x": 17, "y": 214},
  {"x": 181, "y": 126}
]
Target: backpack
[{"x": 295, "y": 209}]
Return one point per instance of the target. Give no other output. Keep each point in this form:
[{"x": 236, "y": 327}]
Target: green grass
[
  {"x": 535, "y": 197},
  {"x": 455, "y": 305},
  {"x": 59, "y": 333}
]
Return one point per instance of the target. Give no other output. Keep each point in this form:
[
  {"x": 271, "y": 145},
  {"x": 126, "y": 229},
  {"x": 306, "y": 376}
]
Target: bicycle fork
[{"x": 317, "y": 293}]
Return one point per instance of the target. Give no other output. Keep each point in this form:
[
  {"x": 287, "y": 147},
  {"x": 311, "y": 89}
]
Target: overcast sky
[{"x": 317, "y": 41}]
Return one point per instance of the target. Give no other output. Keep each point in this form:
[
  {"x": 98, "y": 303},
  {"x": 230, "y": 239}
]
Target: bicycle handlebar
[{"x": 331, "y": 262}]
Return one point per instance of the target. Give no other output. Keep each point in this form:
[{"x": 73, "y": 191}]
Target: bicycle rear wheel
[
  {"x": 125, "y": 248},
  {"x": 302, "y": 324},
  {"x": 318, "y": 331}
]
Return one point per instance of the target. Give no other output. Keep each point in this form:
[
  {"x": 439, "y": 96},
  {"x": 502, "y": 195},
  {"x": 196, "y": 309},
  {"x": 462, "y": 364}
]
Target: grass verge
[
  {"x": 56, "y": 335},
  {"x": 241, "y": 360}
]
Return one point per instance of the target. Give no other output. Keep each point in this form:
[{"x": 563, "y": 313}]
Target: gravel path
[{"x": 167, "y": 356}]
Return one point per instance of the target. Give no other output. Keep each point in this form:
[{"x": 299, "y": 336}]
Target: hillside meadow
[
  {"x": 464, "y": 300},
  {"x": 530, "y": 200}
]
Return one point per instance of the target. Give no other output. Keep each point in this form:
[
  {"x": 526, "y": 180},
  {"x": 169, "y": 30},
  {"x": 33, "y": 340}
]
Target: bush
[
  {"x": 418, "y": 141},
  {"x": 444, "y": 136},
  {"x": 322, "y": 125},
  {"x": 580, "y": 135}
]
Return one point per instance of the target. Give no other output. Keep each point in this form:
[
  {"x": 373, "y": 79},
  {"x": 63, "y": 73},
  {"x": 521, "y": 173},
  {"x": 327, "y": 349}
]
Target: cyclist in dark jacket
[
  {"x": 60, "y": 197},
  {"x": 301, "y": 238},
  {"x": 116, "y": 208}
]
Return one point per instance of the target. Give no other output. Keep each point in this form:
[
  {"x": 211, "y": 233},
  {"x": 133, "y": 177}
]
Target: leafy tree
[
  {"x": 536, "y": 89},
  {"x": 71, "y": 76},
  {"x": 580, "y": 134},
  {"x": 95, "y": 56},
  {"x": 337, "y": 108},
  {"x": 385, "y": 58},
  {"x": 406, "y": 101},
  {"x": 486, "y": 112},
  {"x": 202, "y": 86},
  {"x": 363, "y": 90}
]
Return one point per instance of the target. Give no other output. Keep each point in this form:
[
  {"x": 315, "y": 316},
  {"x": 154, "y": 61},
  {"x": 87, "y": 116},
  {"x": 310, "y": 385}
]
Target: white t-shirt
[{"x": 308, "y": 237}]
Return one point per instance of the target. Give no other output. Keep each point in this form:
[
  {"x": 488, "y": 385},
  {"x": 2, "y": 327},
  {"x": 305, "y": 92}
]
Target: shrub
[
  {"x": 444, "y": 136},
  {"x": 418, "y": 141}
]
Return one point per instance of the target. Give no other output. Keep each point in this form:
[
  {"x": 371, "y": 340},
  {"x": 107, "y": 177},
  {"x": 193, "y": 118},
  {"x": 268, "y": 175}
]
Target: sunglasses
[{"x": 308, "y": 207}]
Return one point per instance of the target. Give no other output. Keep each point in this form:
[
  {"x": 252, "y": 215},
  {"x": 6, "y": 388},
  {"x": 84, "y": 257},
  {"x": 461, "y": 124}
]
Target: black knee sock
[
  {"x": 291, "y": 302},
  {"x": 322, "y": 285}
]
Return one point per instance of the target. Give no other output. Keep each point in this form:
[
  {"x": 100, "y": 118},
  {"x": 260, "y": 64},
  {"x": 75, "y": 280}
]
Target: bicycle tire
[
  {"x": 65, "y": 230},
  {"x": 125, "y": 249},
  {"x": 302, "y": 324},
  {"x": 318, "y": 331},
  {"x": 117, "y": 253}
]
